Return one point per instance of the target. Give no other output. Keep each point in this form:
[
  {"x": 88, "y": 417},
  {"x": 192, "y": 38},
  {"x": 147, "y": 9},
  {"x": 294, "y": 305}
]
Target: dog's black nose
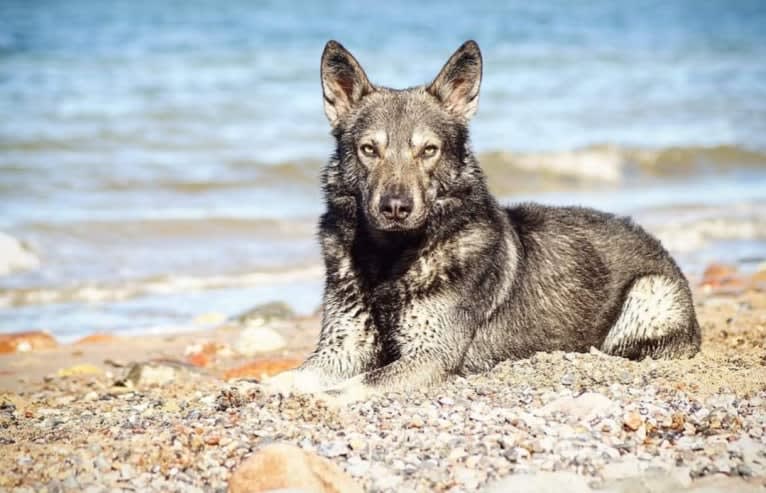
[{"x": 395, "y": 206}]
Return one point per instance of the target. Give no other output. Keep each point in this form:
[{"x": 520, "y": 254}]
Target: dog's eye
[
  {"x": 429, "y": 150},
  {"x": 368, "y": 150}
]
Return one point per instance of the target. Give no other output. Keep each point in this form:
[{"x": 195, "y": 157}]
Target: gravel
[{"x": 605, "y": 419}]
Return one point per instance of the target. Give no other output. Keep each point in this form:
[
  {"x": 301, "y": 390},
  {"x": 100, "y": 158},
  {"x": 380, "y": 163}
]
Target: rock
[
  {"x": 262, "y": 368},
  {"x": 80, "y": 370},
  {"x": 15, "y": 256},
  {"x": 21, "y": 342},
  {"x": 632, "y": 420},
  {"x": 283, "y": 466},
  {"x": 626, "y": 468},
  {"x": 758, "y": 280},
  {"x": 265, "y": 312},
  {"x": 209, "y": 320},
  {"x": 467, "y": 477},
  {"x": 543, "y": 482},
  {"x": 722, "y": 484},
  {"x": 333, "y": 449},
  {"x": 255, "y": 340},
  {"x": 97, "y": 338},
  {"x": 202, "y": 354},
  {"x": 198, "y": 359},
  {"x": 584, "y": 406},
  {"x": 753, "y": 453},
  {"x": 714, "y": 274},
  {"x": 155, "y": 373}
]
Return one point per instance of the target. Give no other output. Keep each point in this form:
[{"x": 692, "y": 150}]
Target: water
[{"x": 161, "y": 158}]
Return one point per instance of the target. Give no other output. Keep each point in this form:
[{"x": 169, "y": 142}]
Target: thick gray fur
[{"x": 427, "y": 276}]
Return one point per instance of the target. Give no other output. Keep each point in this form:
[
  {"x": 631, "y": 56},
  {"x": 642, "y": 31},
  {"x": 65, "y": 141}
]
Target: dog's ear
[
  {"x": 457, "y": 85},
  {"x": 344, "y": 83}
]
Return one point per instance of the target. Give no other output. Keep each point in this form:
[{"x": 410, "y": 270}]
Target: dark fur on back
[{"x": 426, "y": 275}]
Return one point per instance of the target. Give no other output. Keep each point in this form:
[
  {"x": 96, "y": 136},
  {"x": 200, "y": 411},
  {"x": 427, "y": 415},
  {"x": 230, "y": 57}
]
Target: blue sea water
[{"x": 156, "y": 154}]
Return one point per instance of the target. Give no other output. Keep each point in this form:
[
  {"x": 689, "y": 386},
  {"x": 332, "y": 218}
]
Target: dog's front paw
[
  {"x": 353, "y": 390},
  {"x": 294, "y": 382}
]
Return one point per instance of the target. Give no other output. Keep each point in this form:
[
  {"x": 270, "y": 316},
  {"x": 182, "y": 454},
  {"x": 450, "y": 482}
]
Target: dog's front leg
[
  {"x": 347, "y": 346},
  {"x": 416, "y": 369}
]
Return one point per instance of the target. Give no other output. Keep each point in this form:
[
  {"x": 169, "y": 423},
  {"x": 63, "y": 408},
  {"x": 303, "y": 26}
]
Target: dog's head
[{"x": 400, "y": 150}]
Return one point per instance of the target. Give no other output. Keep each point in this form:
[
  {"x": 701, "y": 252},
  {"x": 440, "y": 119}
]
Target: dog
[{"x": 427, "y": 276}]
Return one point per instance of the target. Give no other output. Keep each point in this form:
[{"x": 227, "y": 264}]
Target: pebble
[
  {"x": 632, "y": 420},
  {"x": 333, "y": 449},
  {"x": 516, "y": 423},
  {"x": 257, "y": 340},
  {"x": 283, "y": 466}
]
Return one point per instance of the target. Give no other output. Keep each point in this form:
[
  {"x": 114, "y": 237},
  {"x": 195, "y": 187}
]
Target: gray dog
[{"x": 427, "y": 276}]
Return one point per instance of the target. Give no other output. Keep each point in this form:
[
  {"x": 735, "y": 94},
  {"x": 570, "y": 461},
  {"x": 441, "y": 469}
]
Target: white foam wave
[
  {"x": 15, "y": 256},
  {"x": 166, "y": 285}
]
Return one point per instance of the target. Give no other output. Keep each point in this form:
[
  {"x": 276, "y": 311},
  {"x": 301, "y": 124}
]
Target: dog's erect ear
[
  {"x": 457, "y": 85},
  {"x": 344, "y": 83}
]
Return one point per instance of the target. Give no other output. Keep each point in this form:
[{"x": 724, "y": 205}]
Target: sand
[{"x": 179, "y": 427}]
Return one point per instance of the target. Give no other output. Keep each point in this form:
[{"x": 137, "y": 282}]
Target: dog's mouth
[
  {"x": 398, "y": 227},
  {"x": 384, "y": 225}
]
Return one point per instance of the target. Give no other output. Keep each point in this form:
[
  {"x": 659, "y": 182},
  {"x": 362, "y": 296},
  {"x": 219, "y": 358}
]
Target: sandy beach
[{"x": 150, "y": 414}]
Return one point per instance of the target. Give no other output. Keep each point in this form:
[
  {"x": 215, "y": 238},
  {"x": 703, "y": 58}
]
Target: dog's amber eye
[
  {"x": 368, "y": 150},
  {"x": 429, "y": 150}
]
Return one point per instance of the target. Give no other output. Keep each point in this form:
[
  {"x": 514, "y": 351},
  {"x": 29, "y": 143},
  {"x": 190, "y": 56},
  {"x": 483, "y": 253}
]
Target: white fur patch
[
  {"x": 651, "y": 310},
  {"x": 295, "y": 382},
  {"x": 352, "y": 390}
]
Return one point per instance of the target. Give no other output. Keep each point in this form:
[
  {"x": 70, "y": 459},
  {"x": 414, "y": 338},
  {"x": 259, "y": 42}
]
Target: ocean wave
[
  {"x": 691, "y": 235},
  {"x": 16, "y": 256},
  {"x": 240, "y": 174},
  {"x": 614, "y": 164},
  {"x": 102, "y": 292},
  {"x": 205, "y": 227},
  {"x": 506, "y": 170}
]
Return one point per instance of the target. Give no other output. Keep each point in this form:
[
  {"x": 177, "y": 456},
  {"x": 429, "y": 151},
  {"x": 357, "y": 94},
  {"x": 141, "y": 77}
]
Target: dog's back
[{"x": 587, "y": 278}]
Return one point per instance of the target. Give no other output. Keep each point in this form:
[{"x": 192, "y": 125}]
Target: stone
[
  {"x": 284, "y": 466},
  {"x": 714, "y": 274},
  {"x": 209, "y": 320},
  {"x": 542, "y": 482},
  {"x": 256, "y": 340},
  {"x": 333, "y": 449},
  {"x": 96, "y": 338},
  {"x": 468, "y": 477},
  {"x": 626, "y": 468},
  {"x": 155, "y": 373},
  {"x": 80, "y": 370},
  {"x": 198, "y": 359},
  {"x": 584, "y": 406},
  {"x": 758, "y": 280},
  {"x": 266, "y": 311},
  {"x": 262, "y": 368},
  {"x": 21, "y": 342},
  {"x": 632, "y": 420},
  {"x": 202, "y": 354}
]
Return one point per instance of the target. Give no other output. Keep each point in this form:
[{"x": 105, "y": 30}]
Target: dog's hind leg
[{"x": 656, "y": 320}]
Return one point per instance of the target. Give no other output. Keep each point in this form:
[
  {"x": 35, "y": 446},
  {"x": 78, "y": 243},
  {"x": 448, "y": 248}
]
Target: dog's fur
[{"x": 428, "y": 276}]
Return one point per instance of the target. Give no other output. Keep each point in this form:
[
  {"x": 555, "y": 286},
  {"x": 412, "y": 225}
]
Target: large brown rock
[
  {"x": 26, "y": 341},
  {"x": 96, "y": 338},
  {"x": 281, "y": 466}
]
